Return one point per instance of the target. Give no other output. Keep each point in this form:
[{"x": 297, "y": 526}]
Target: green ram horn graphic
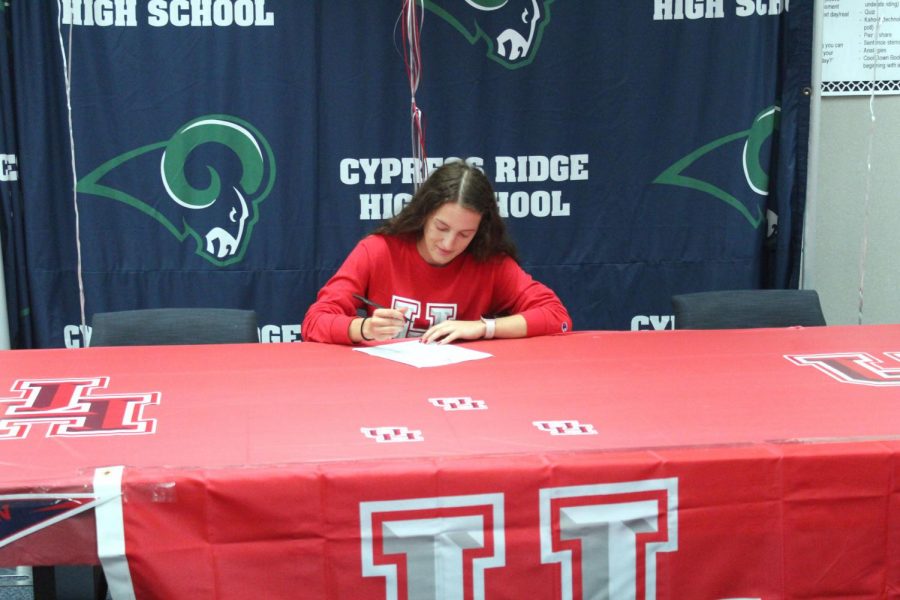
[
  {"x": 219, "y": 217},
  {"x": 764, "y": 126}
]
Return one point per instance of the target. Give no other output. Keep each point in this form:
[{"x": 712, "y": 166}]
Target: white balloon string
[{"x": 66, "y": 50}]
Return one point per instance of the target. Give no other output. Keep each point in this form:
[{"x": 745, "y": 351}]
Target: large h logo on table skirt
[
  {"x": 604, "y": 537},
  {"x": 431, "y": 546}
]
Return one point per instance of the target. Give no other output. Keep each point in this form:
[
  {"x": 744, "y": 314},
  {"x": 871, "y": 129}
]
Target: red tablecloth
[{"x": 676, "y": 464}]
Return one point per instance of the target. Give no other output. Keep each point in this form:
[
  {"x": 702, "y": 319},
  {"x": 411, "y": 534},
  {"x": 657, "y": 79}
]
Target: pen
[{"x": 365, "y": 300}]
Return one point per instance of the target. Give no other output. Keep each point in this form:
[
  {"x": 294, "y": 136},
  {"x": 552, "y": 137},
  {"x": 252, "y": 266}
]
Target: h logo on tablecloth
[
  {"x": 566, "y": 427},
  {"x": 389, "y": 435},
  {"x": 73, "y": 408},
  {"x": 859, "y": 368},
  {"x": 458, "y": 403}
]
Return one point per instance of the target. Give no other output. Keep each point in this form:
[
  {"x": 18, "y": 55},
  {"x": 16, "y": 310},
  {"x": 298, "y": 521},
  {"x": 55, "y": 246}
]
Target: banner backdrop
[{"x": 231, "y": 152}]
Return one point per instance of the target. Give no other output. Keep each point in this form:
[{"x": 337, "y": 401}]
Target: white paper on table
[{"x": 417, "y": 354}]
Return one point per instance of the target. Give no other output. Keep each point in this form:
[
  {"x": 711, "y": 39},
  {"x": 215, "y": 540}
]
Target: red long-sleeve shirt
[{"x": 390, "y": 271}]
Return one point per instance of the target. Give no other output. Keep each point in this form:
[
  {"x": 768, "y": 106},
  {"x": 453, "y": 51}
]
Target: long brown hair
[{"x": 470, "y": 188}]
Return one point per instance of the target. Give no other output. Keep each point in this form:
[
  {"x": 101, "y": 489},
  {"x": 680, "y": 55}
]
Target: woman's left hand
[{"x": 448, "y": 331}]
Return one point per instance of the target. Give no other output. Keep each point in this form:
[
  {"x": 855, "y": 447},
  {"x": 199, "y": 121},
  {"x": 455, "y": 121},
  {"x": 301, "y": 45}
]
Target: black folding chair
[
  {"x": 169, "y": 326},
  {"x": 745, "y": 309}
]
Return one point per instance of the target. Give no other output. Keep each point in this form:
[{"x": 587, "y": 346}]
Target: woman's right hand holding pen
[{"x": 382, "y": 324}]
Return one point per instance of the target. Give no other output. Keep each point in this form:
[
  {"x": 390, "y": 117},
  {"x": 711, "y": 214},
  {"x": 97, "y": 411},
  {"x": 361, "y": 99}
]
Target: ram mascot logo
[
  {"x": 701, "y": 170},
  {"x": 512, "y": 29},
  {"x": 210, "y": 179}
]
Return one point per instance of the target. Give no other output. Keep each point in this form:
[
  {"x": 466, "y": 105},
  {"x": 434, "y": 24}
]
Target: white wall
[{"x": 839, "y": 226}]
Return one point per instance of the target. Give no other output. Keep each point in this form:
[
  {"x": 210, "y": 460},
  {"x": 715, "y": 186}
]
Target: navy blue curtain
[
  {"x": 795, "y": 68},
  {"x": 231, "y": 152},
  {"x": 12, "y": 198}
]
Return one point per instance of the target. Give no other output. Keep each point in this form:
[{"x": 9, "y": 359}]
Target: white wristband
[{"x": 490, "y": 326}]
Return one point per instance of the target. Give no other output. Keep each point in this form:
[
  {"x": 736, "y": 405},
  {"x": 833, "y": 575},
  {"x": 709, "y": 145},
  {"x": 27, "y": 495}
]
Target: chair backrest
[
  {"x": 170, "y": 326},
  {"x": 743, "y": 309}
]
